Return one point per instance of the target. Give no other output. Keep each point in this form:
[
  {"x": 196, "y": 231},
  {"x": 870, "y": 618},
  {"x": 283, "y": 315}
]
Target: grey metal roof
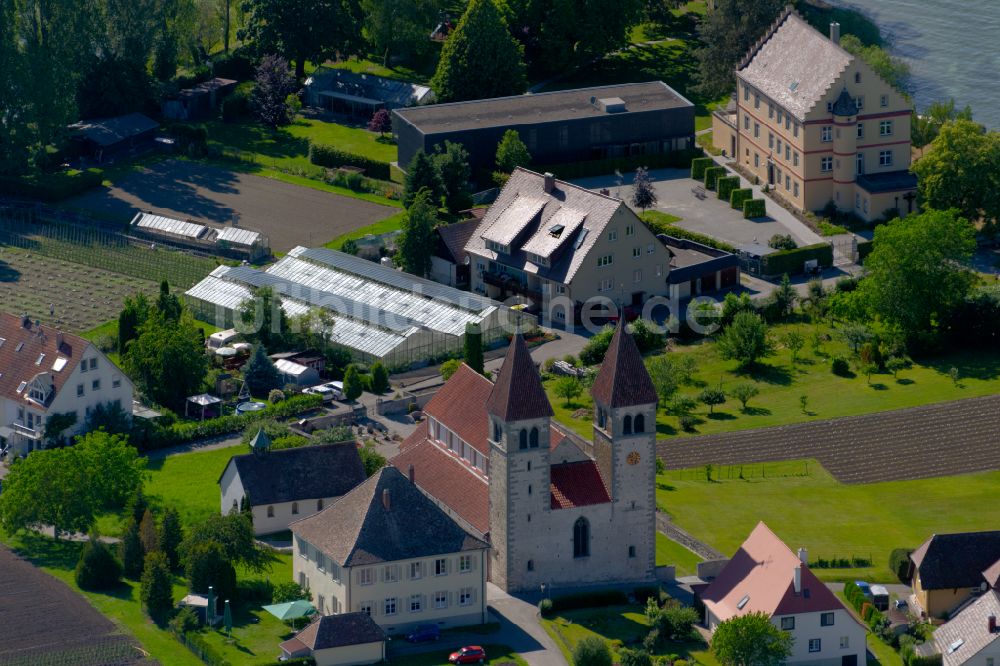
[
  {"x": 109, "y": 131},
  {"x": 796, "y": 65},
  {"x": 168, "y": 225},
  {"x": 892, "y": 181},
  {"x": 238, "y": 236},
  {"x": 540, "y": 108},
  {"x": 966, "y": 634},
  {"x": 347, "y": 84}
]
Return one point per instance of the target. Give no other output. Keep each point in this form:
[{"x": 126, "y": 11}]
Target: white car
[
  {"x": 322, "y": 390},
  {"x": 337, "y": 388}
]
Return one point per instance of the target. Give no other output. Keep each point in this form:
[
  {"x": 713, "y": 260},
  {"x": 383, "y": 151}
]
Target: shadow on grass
[
  {"x": 43, "y": 551},
  {"x": 756, "y": 411},
  {"x": 879, "y": 386},
  {"x": 721, "y": 416},
  {"x": 665, "y": 429},
  {"x": 905, "y": 381},
  {"x": 8, "y": 273},
  {"x": 970, "y": 365},
  {"x": 769, "y": 374}
]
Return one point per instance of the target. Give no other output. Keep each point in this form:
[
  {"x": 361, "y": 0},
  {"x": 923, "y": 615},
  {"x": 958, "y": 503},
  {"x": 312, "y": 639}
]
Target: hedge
[
  {"x": 854, "y": 595},
  {"x": 738, "y": 197},
  {"x": 331, "y": 157},
  {"x": 864, "y": 249},
  {"x": 899, "y": 563},
  {"x": 712, "y": 175},
  {"x": 930, "y": 660},
  {"x": 754, "y": 208},
  {"x": 589, "y": 600},
  {"x": 677, "y": 232},
  {"x": 699, "y": 165},
  {"x": 793, "y": 261},
  {"x": 726, "y": 186},
  {"x": 677, "y": 159},
  {"x": 52, "y": 186}
]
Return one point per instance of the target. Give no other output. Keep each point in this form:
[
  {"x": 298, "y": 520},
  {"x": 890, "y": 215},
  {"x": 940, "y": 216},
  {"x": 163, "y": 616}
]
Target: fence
[
  {"x": 99, "y": 247},
  {"x": 773, "y": 470}
]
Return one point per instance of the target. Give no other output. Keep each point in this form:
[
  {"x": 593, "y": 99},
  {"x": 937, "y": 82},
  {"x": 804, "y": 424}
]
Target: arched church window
[
  {"x": 639, "y": 424},
  {"x": 600, "y": 418},
  {"x": 581, "y": 538},
  {"x": 627, "y": 424},
  {"x": 533, "y": 439},
  {"x": 523, "y": 439}
]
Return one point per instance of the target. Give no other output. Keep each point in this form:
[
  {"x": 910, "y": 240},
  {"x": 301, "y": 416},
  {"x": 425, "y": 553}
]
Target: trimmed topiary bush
[
  {"x": 699, "y": 165},
  {"x": 754, "y": 208},
  {"x": 793, "y": 261},
  {"x": 545, "y": 607},
  {"x": 712, "y": 175},
  {"x": 726, "y": 185},
  {"x": 739, "y": 196}
]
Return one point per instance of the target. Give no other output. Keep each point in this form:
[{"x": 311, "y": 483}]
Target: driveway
[{"x": 287, "y": 214}]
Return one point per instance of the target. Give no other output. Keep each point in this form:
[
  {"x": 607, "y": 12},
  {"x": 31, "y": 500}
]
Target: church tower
[
  {"x": 519, "y": 413},
  {"x": 625, "y": 446}
]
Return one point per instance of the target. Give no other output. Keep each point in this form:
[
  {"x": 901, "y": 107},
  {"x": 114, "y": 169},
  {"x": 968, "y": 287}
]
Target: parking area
[{"x": 287, "y": 214}]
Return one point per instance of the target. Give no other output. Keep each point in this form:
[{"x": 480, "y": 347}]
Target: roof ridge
[{"x": 789, "y": 10}]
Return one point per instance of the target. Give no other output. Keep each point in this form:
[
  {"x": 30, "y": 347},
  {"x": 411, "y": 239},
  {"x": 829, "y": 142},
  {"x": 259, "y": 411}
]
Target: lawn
[
  {"x": 189, "y": 482},
  {"x": 806, "y": 507},
  {"x": 671, "y": 552},
  {"x": 498, "y": 654},
  {"x": 391, "y": 223},
  {"x": 781, "y": 384},
  {"x": 884, "y": 654},
  {"x": 618, "y": 625}
]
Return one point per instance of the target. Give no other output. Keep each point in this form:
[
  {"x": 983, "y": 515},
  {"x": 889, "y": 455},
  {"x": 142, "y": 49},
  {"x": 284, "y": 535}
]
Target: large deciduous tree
[
  {"x": 480, "y": 59},
  {"x": 926, "y": 126},
  {"x": 274, "y": 83},
  {"x": 751, "y": 640},
  {"x": 399, "y": 27},
  {"x": 167, "y": 361},
  {"x": 511, "y": 152},
  {"x": 918, "y": 271},
  {"x": 745, "y": 340},
  {"x": 416, "y": 243},
  {"x": 726, "y": 34},
  {"x": 262, "y": 319}
]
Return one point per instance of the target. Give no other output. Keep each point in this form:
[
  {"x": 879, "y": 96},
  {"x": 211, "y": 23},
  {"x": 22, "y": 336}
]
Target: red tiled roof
[
  {"x": 763, "y": 570},
  {"x": 577, "y": 484},
  {"x": 460, "y": 405},
  {"x": 518, "y": 394},
  {"x": 19, "y": 365},
  {"x": 623, "y": 380},
  {"x": 446, "y": 477}
]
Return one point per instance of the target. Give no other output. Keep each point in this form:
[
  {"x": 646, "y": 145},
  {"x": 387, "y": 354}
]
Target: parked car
[
  {"x": 901, "y": 604},
  {"x": 423, "y": 633},
  {"x": 322, "y": 390},
  {"x": 470, "y": 654},
  {"x": 337, "y": 388},
  {"x": 866, "y": 589}
]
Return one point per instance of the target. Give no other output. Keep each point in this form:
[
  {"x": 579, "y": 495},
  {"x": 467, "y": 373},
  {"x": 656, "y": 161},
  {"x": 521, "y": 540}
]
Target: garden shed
[
  {"x": 106, "y": 138},
  {"x": 347, "y": 639}
]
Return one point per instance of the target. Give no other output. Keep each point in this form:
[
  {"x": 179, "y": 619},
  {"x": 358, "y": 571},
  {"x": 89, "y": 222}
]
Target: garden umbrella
[
  {"x": 290, "y": 609},
  {"x": 227, "y": 619}
]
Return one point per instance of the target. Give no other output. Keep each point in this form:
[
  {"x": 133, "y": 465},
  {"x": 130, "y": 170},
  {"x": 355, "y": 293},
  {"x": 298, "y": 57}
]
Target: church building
[{"x": 555, "y": 508}]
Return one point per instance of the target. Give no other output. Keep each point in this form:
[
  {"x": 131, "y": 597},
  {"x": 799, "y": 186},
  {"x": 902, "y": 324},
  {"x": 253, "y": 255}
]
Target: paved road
[{"x": 289, "y": 215}]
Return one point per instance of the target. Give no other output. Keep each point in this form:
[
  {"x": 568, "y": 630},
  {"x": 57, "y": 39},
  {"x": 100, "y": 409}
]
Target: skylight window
[
  {"x": 19, "y": 347},
  {"x": 41, "y": 357},
  {"x": 579, "y": 240},
  {"x": 557, "y": 229},
  {"x": 59, "y": 364},
  {"x": 743, "y": 602},
  {"x": 20, "y": 387},
  {"x": 957, "y": 644},
  {"x": 794, "y": 86}
]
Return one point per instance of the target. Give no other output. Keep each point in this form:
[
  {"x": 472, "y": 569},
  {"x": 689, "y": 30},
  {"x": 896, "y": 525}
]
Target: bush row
[
  {"x": 699, "y": 165},
  {"x": 792, "y": 261},
  {"x": 331, "y": 157},
  {"x": 726, "y": 186},
  {"x": 840, "y": 563},
  {"x": 712, "y": 175},
  {"x": 753, "y": 208},
  {"x": 739, "y": 197},
  {"x": 52, "y": 186},
  {"x": 677, "y": 232},
  {"x": 677, "y": 159}
]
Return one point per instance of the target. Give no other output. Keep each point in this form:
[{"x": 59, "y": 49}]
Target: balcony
[
  {"x": 511, "y": 284},
  {"x": 26, "y": 432}
]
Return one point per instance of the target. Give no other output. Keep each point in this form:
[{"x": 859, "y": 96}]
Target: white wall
[
  {"x": 442, "y": 271},
  {"x": 350, "y": 655},
  {"x": 807, "y": 627},
  {"x": 284, "y": 513},
  {"x": 231, "y": 489}
]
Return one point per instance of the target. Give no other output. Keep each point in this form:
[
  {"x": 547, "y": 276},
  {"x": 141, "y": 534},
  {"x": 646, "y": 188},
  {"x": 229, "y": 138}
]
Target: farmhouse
[
  {"x": 557, "y": 127},
  {"x": 45, "y": 373},
  {"x": 379, "y": 313},
  {"x": 818, "y": 125},
  {"x": 971, "y": 637},
  {"x": 947, "y": 569},
  {"x": 764, "y": 575},
  {"x": 348, "y": 639},
  {"x": 386, "y": 550},
  {"x": 361, "y": 95},
  {"x": 556, "y": 509},
  {"x": 288, "y": 484}
]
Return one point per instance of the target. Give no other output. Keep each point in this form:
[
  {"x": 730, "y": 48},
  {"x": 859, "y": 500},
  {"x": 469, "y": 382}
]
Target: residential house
[
  {"x": 45, "y": 372},
  {"x": 386, "y": 550},
  {"x": 818, "y": 125},
  {"x": 360, "y": 94},
  {"x": 558, "y": 246},
  {"x": 288, "y": 484},
  {"x": 971, "y": 637},
  {"x": 348, "y": 639},
  {"x": 765, "y": 576},
  {"x": 557, "y": 127},
  {"x": 947, "y": 569},
  {"x": 557, "y": 510},
  {"x": 450, "y": 261}
]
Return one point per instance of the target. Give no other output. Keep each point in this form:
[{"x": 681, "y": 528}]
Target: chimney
[
  {"x": 798, "y": 579},
  {"x": 25, "y": 320},
  {"x": 550, "y": 182},
  {"x": 59, "y": 340},
  {"x": 804, "y": 556},
  {"x": 991, "y": 623},
  {"x": 835, "y": 32},
  {"x": 605, "y": 191},
  {"x": 386, "y": 502},
  {"x": 412, "y": 474}
]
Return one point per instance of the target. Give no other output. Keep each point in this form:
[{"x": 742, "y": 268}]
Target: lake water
[{"x": 951, "y": 47}]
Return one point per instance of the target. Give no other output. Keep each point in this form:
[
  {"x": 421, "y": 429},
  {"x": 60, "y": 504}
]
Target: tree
[
  {"x": 972, "y": 189},
  {"x": 664, "y": 373},
  {"x": 349, "y": 246},
  {"x": 449, "y": 367},
  {"x": 130, "y": 550},
  {"x": 287, "y": 591},
  {"x": 474, "y": 347},
  {"x": 260, "y": 373},
  {"x": 56, "y": 424},
  {"x": 856, "y": 335},
  {"x": 785, "y": 296},
  {"x": 896, "y": 363},
  {"x": 205, "y": 564},
  {"x": 135, "y": 505},
  {"x": 643, "y": 194},
  {"x": 918, "y": 271},
  {"x": 132, "y": 317},
  {"x": 744, "y": 392},
  {"x": 353, "y": 388},
  {"x": 167, "y": 361},
  {"x": 399, "y": 27},
  {"x": 170, "y": 536},
  {"x": 380, "y": 378},
  {"x": 511, "y": 152},
  {"x": 416, "y": 242},
  {"x": 156, "y": 589},
  {"x": 110, "y": 417},
  {"x": 745, "y": 340},
  {"x": 592, "y": 651},
  {"x": 480, "y": 59},
  {"x": 168, "y": 305},
  {"x": 371, "y": 459},
  {"x": 893, "y": 70},
  {"x": 782, "y": 242},
  {"x": 380, "y": 122},
  {"x": 114, "y": 469},
  {"x": 751, "y": 640},
  {"x": 712, "y": 397},
  {"x": 234, "y": 533},
  {"x": 925, "y": 127},
  {"x": 262, "y": 319},
  {"x": 273, "y": 84},
  {"x": 148, "y": 534},
  {"x": 794, "y": 341},
  {"x": 726, "y": 34},
  {"x": 568, "y": 388},
  {"x": 421, "y": 176},
  {"x": 597, "y": 346},
  {"x": 97, "y": 568},
  {"x": 301, "y": 30},
  {"x": 452, "y": 165}
]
